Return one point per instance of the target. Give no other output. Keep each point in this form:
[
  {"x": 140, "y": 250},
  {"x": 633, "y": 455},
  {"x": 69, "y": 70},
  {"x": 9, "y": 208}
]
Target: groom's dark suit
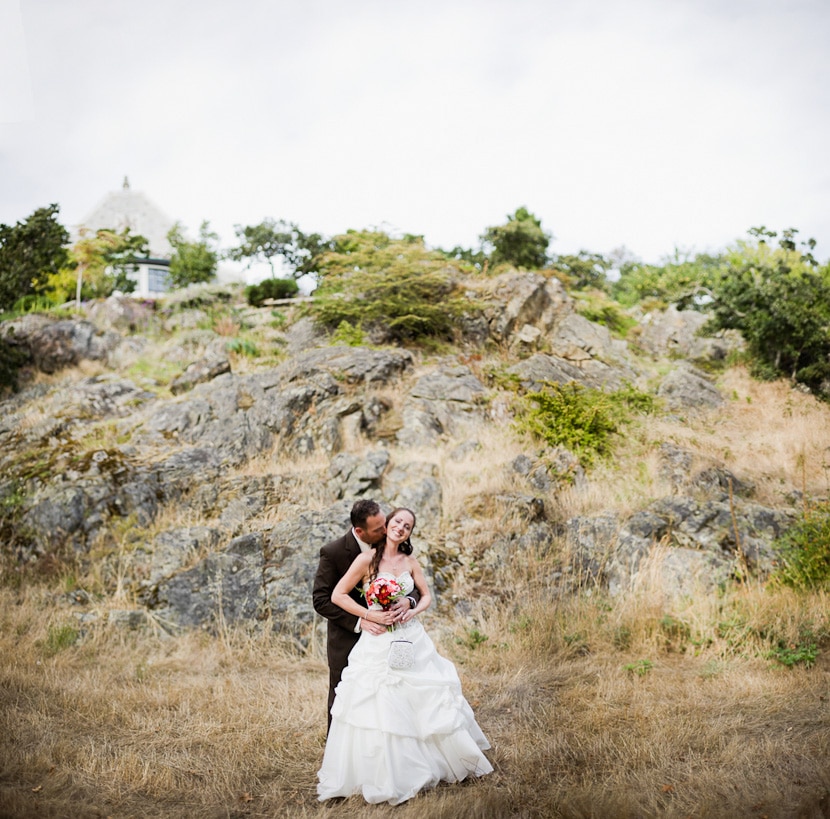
[{"x": 335, "y": 559}]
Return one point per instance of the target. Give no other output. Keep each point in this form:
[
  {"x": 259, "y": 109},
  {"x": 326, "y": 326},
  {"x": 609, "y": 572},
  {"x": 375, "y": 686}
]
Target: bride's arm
[
  {"x": 340, "y": 596},
  {"x": 421, "y": 584}
]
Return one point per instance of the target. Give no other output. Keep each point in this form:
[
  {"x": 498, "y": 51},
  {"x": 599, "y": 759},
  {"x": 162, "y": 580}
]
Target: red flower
[{"x": 383, "y": 591}]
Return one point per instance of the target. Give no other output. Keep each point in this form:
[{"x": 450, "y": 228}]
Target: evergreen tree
[
  {"x": 521, "y": 242},
  {"x": 30, "y": 252}
]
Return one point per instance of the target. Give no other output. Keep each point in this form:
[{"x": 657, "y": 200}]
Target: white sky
[{"x": 652, "y": 124}]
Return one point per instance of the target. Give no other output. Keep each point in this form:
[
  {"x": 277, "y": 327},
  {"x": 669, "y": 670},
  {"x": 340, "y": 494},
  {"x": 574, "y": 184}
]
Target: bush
[
  {"x": 520, "y": 242},
  {"x": 392, "y": 289},
  {"x": 804, "y": 551},
  {"x": 580, "y": 418},
  {"x": 256, "y": 294},
  {"x": 242, "y": 347},
  {"x": 779, "y": 299},
  {"x": 348, "y": 335},
  {"x": 60, "y": 638},
  {"x": 607, "y": 313}
]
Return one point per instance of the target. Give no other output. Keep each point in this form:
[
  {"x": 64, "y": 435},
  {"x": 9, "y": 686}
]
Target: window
[{"x": 158, "y": 280}]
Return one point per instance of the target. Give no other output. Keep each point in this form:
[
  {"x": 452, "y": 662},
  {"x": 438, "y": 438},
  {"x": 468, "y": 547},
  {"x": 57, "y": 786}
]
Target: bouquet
[{"x": 382, "y": 592}]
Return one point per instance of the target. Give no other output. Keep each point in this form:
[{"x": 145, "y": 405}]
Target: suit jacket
[{"x": 335, "y": 559}]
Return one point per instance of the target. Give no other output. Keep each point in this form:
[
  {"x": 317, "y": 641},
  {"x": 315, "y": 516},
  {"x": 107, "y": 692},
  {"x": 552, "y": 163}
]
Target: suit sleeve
[{"x": 324, "y": 582}]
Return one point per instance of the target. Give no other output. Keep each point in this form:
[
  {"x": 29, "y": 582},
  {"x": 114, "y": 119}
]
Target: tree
[
  {"x": 269, "y": 239},
  {"x": 584, "y": 270},
  {"x": 193, "y": 262},
  {"x": 476, "y": 259},
  {"x": 682, "y": 279},
  {"x": 120, "y": 254},
  {"x": 520, "y": 242},
  {"x": 779, "y": 299},
  {"x": 98, "y": 264},
  {"x": 30, "y": 252},
  {"x": 395, "y": 289}
]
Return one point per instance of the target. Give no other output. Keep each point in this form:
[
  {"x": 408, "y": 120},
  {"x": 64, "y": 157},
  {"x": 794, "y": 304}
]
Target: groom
[{"x": 368, "y": 528}]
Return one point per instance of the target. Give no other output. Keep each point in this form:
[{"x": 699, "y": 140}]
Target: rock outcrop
[{"x": 195, "y": 494}]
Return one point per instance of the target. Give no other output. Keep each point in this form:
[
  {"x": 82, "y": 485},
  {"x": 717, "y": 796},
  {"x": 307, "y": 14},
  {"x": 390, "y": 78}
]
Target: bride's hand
[{"x": 385, "y": 618}]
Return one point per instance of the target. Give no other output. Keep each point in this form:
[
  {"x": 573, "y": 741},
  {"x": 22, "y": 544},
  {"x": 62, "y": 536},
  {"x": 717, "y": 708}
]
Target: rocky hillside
[{"x": 188, "y": 460}]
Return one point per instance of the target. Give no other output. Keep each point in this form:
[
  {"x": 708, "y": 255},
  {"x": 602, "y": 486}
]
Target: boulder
[
  {"x": 533, "y": 372},
  {"x": 516, "y": 299},
  {"x": 353, "y": 365},
  {"x": 120, "y": 313},
  {"x": 687, "y": 388},
  {"x": 206, "y": 369},
  {"x": 54, "y": 344},
  {"x": 225, "y": 588},
  {"x": 677, "y": 333}
]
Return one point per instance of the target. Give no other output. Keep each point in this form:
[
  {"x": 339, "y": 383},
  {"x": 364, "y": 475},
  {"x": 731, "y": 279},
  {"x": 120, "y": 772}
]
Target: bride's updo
[{"x": 404, "y": 547}]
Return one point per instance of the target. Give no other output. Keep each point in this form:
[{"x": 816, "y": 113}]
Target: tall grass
[
  {"x": 138, "y": 724},
  {"x": 637, "y": 706}
]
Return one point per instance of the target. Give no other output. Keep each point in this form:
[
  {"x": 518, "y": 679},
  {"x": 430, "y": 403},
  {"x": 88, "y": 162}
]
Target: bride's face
[{"x": 400, "y": 526}]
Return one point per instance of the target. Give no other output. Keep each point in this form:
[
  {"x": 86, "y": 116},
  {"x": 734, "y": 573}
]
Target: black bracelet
[{"x": 412, "y": 602}]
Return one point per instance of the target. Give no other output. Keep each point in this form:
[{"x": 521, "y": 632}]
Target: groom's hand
[
  {"x": 399, "y": 608},
  {"x": 372, "y": 628}
]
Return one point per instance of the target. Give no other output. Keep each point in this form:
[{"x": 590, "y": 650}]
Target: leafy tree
[
  {"x": 193, "y": 262},
  {"x": 681, "y": 279},
  {"x": 121, "y": 255},
  {"x": 100, "y": 263},
  {"x": 584, "y": 270},
  {"x": 520, "y": 242},
  {"x": 395, "y": 289},
  {"x": 269, "y": 239},
  {"x": 30, "y": 252},
  {"x": 779, "y": 298}
]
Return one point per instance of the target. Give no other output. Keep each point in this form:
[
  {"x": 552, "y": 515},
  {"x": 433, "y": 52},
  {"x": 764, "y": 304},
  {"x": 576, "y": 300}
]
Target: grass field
[{"x": 595, "y": 707}]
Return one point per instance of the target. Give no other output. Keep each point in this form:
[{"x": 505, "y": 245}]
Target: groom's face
[{"x": 375, "y": 529}]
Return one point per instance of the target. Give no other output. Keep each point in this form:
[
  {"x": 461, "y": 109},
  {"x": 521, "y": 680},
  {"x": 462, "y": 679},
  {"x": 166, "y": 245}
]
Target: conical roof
[{"x": 131, "y": 209}]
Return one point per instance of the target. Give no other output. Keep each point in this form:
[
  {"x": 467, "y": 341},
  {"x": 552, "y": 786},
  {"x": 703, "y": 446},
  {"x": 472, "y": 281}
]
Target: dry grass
[
  {"x": 768, "y": 433},
  {"x": 595, "y": 708},
  {"x": 129, "y": 724}
]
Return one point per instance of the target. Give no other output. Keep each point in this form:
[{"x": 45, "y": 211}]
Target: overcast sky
[{"x": 649, "y": 124}]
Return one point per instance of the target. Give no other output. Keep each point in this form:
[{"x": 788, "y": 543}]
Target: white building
[{"x": 131, "y": 209}]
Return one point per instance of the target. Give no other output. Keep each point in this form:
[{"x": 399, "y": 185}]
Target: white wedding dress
[{"x": 396, "y": 732}]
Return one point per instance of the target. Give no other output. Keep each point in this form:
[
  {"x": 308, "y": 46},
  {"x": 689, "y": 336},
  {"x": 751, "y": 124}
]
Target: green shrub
[
  {"x": 803, "y": 652},
  {"x": 60, "y": 637},
  {"x": 242, "y": 347},
  {"x": 608, "y": 314},
  {"x": 473, "y": 639},
  {"x": 394, "y": 289},
  {"x": 804, "y": 551},
  {"x": 349, "y": 335},
  {"x": 580, "y": 418},
  {"x": 256, "y": 294},
  {"x": 640, "y": 668}
]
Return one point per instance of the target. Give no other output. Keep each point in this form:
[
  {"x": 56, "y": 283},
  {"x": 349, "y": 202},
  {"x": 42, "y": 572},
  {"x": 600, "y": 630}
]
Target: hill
[{"x": 600, "y": 518}]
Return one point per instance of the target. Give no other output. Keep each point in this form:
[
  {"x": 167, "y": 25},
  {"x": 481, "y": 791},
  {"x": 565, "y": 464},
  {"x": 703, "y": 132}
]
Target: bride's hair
[{"x": 404, "y": 547}]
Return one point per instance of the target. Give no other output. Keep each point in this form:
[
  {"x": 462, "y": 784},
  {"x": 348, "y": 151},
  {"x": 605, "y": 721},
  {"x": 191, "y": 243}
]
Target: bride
[{"x": 396, "y": 731}]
